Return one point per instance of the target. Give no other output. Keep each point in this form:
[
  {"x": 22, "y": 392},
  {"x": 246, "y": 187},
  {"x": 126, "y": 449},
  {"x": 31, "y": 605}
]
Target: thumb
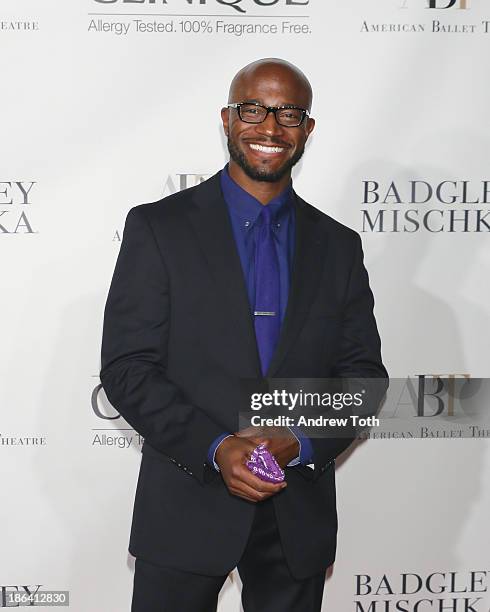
[
  {"x": 259, "y": 440},
  {"x": 265, "y": 441}
]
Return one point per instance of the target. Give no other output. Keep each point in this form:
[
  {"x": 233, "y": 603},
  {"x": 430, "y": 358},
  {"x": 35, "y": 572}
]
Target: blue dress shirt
[{"x": 244, "y": 211}]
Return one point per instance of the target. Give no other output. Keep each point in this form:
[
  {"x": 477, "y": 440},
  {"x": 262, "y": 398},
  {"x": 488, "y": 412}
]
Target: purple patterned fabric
[{"x": 264, "y": 465}]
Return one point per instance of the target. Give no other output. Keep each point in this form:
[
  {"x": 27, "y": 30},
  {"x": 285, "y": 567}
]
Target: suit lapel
[
  {"x": 212, "y": 226},
  {"x": 308, "y": 261}
]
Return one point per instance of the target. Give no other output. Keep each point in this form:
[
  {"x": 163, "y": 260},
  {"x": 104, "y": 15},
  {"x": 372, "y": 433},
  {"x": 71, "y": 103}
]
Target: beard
[{"x": 262, "y": 173}]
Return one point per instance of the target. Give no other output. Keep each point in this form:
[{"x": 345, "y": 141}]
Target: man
[{"x": 232, "y": 280}]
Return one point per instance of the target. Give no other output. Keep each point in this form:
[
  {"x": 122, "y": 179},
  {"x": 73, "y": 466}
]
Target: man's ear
[
  {"x": 310, "y": 126},
  {"x": 225, "y": 117}
]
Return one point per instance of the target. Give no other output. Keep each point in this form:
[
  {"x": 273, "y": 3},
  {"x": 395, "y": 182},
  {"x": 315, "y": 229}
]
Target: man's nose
[{"x": 269, "y": 126}]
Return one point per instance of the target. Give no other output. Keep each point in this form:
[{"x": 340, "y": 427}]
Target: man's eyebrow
[{"x": 254, "y": 101}]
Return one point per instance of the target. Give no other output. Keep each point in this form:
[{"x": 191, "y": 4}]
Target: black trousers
[{"x": 268, "y": 585}]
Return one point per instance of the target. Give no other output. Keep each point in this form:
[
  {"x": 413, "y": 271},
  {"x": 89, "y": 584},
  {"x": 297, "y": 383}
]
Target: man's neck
[{"x": 263, "y": 191}]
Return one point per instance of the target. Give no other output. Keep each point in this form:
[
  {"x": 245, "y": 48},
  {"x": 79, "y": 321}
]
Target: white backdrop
[{"x": 95, "y": 121}]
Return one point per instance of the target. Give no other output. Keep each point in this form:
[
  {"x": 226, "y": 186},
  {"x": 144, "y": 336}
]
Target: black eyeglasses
[{"x": 287, "y": 115}]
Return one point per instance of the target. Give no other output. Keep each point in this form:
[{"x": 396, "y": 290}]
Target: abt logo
[{"x": 438, "y": 4}]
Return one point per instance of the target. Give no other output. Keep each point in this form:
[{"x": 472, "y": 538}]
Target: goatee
[{"x": 262, "y": 173}]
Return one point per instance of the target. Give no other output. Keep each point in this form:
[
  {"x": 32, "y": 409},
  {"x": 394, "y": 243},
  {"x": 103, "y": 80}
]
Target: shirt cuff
[
  {"x": 214, "y": 447},
  {"x": 305, "y": 448}
]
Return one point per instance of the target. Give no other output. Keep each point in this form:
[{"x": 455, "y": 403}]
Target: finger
[
  {"x": 258, "y": 439},
  {"x": 238, "y": 493},
  {"x": 244, "y": 490},
  {"x": 243, "y": 474},
  {"x": 249, "y": 432}
]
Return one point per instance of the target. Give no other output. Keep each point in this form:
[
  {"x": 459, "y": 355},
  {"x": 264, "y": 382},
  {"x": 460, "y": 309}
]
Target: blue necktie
[{"x": 267, "y": 291}]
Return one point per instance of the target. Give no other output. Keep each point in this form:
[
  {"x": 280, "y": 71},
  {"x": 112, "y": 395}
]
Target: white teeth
[{"x": 264, "y": 149}]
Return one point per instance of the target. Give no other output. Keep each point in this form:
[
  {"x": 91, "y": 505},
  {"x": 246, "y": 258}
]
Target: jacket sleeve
[
  {"x": 134, "y": 353},
  {"x": 358, "y": 357}
]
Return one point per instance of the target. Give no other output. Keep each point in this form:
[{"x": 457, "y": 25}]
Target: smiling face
[{"x": 267, "y": 151}]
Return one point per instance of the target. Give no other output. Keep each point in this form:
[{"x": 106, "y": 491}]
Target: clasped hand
[{"x": 233, "y": 452}]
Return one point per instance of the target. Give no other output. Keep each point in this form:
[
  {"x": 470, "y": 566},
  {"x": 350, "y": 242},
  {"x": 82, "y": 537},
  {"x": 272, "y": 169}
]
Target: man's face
[{"x": 267, "y": 151}]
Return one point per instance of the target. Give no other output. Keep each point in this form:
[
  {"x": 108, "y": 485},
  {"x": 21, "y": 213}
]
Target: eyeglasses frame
[{"x": 269, "y": 109}]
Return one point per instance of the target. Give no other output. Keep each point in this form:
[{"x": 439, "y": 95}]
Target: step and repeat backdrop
[{"x": 106, "y": 104}]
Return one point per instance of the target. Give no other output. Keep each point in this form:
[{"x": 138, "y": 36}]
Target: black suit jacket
[{"x": 178, "y": 339}]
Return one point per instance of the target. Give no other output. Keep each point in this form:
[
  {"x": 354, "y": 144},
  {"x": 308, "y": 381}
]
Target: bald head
[{"x": 276, "y": 72}]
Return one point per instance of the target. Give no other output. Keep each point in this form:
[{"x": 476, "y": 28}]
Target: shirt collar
[{"x": 246, "y": 206}]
